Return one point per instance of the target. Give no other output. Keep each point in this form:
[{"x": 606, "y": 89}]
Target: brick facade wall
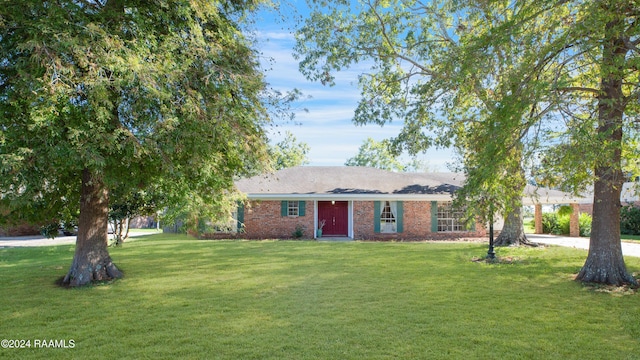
[
  {"x": 416, "y": 224},
  {"x": 363, "y": 220},
  {"x": 263, "y": 220}
]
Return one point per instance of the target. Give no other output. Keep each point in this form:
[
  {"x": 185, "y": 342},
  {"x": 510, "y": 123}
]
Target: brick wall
[
  {"x": 417, "y": 220},
  {"x": 262, "y": 220},
  {"x": 416, "y": 224}
]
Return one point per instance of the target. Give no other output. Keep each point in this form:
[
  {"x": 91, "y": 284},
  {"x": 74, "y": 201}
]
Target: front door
[{"x": 336, "y": 217}]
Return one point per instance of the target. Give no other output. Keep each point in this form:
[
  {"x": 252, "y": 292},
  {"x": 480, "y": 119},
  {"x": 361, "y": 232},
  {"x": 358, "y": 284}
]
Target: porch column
[
  {"x": 538, "y": 218},
  {"x": 574, "y": 220}
]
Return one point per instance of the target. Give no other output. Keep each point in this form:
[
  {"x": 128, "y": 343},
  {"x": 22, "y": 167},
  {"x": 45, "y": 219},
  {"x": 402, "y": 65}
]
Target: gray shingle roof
[
  {"x": 365, "y": 182},
  {"x": 334, "y": 180}
]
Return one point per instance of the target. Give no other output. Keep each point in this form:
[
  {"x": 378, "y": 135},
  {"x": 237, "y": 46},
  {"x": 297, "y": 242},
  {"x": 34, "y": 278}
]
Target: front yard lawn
[{"x": 191, "y": 299}]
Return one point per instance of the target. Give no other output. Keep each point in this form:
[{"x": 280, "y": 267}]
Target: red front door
[{"x": 336, "y": 217}]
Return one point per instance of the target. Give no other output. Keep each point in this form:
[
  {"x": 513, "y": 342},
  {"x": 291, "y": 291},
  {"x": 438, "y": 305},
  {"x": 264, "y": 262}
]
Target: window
[
  {"x": 293, "y": 208},
  {"x": 450, "y": 219},
  {"x": 388, "y": 217}
]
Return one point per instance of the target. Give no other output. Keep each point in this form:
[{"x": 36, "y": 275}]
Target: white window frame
[
  {"x": 293, "y": 208},
  {"x": 388, "y": 218},
  {"x": 450, "y": 219}
]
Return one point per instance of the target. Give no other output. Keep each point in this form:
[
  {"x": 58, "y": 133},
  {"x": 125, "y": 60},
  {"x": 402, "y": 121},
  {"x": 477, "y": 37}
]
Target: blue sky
[{"x": 326, "y": 127}]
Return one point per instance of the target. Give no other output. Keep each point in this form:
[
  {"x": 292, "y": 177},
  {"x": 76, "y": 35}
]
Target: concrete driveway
[
  {"x": 628, "y": 248},
  {"x": 37, "y": 240}
]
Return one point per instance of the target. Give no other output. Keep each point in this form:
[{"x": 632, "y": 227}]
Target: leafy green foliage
[
  {"x": 127, "y": 206},
  {"x": 288, "y": 152},
  {"x": 382, "y": 155},
  {"x": 559, "y": 223},
  {"x": 376, "y": 154},
  {"x": 298, "y": 233},
  {"x": 549, "y": 223},
  {"x": 509, "y": 86},
  {"x": 50, "y": 230},
  {"x": 162, "y": 94},
  {"x": 630, "y": 220},
  {"x": 544, "y": 87},
  {"x": 585, "y": 224}
]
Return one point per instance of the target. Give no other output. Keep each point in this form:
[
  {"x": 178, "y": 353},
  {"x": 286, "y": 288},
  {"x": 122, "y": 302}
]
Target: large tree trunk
[
  {"x": 605, "y": 263},
  {"x": 512, "y": 233},
  {"x": 91, "y": 261}
]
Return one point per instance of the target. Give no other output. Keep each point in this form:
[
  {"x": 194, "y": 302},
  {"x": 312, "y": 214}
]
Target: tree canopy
[
  {"x": 550, "y": 87},
  {"x": 99, "y": 95},
  {"x": 381, "y": 155},
  {"x": 288, "y": 152},
  {"x": 376, "y": 154}
]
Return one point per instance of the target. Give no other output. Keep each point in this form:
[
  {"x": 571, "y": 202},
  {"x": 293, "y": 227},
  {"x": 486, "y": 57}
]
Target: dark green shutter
[
  {"x": 240, "y": 216},
  {"x": 284, "y": 208},
  {"x": 434, "y": 216},
  {"x": 400, "y": 213},
  {"x": 376, "y": 216},
  {"x": 301, "y": 208}
]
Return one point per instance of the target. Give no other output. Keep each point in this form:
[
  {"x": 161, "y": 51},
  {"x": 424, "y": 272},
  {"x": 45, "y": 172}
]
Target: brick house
[{"x": 355, "y": 203}]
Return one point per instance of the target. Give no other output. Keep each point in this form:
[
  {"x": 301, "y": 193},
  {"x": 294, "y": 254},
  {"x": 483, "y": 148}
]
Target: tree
[
  {"x": 588, "y": 65},
  {"x": 382, "y": 155},
  {"x": 289, "y": 152},
  {"x": 376, "y": 154},
  {"x": 102, "y": 94},
  {"x": 417, "y": 77},
  {"x": 509, "y": 84},
  {"x": 127, "y": 206}
]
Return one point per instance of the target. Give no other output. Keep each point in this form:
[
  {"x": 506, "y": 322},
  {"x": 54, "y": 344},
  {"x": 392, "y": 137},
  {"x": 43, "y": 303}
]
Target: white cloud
[{"x": 327, "y": 126}]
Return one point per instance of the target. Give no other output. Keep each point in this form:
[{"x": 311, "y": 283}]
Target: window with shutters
[
  {"x": 293, "y": 208},
  {"x": 388, "y": 217}
]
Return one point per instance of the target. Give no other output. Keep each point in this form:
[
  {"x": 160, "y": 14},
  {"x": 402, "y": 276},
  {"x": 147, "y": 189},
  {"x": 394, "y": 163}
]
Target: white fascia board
[
  {"x": 350, "y": 197},
  {"x": 550, "y": 200},
  {"x": 526, "y": 200}
]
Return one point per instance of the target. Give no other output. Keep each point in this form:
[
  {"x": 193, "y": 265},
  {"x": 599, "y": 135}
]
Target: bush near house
[
  {"x": 630, "y": 220},
  {"x": 558, "y": 223}
]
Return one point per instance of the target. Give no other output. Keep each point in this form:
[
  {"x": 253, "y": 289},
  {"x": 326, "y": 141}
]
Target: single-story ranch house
[{"x": 360, "y": 203}]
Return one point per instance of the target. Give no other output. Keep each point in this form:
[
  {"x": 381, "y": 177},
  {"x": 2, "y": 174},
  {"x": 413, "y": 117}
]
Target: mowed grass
[{"x": 191, "y": 299}]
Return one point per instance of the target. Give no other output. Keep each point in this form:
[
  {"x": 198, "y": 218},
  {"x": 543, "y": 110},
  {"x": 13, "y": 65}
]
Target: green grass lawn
[
  {"x": 630, "y": 237},
  {"x": 184, "y": 298}
]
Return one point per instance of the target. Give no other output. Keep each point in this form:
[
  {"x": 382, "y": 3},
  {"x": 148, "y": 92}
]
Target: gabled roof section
[
  {"x": 365, "y": 183},
  {"x": 348, "y": 182}
]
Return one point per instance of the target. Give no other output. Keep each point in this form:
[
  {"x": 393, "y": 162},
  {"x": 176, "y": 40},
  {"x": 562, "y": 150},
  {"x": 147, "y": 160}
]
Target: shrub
[
  {"x": 630, "y": 220},
  {"x": 585, "y": 224},
  {"x": 299, "y": 232},
  {"x": 563, "y": 226},
  {"x": 549, "y": 222},
  {"x": 565, "y": 210},
  {"x": 559, "y": 223}
]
